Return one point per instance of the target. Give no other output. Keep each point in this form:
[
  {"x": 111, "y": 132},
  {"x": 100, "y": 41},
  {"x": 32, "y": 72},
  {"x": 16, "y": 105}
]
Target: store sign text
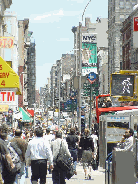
[
  {"x": 3, "y": 75},
  {"x": 6, "y": 42},
  {"x": 90, "y": 38},
  {"x": 116, "y": 118},
  {"x": 7, "y": 96}
]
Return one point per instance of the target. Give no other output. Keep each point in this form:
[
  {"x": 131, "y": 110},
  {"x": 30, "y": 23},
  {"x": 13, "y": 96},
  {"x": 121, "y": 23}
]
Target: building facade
[
  {"x": 53, "y": 80},
  {"x": 23, "y": 44},
  {"x": 118, "y": 11},
  {"x": 31, "y": 75},
  {"x": 102, "y": 60},
  {"x": 130, "y": 42}
]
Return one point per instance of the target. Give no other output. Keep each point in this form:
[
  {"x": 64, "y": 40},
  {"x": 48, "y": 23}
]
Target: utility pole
[
  {"x": 80, "y": 66},
  {"x": 91, "y": 90}
]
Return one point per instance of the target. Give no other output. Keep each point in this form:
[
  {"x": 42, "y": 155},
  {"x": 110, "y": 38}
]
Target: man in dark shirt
[{"x": 72, "y": 139}]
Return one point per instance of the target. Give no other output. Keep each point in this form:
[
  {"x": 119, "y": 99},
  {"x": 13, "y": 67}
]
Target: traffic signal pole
[
  {"x": 90, "y": 106},
  {"x": 80, "y": 68}
]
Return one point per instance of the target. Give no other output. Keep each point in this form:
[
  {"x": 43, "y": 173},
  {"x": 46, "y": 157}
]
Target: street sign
[
  {"x": 68, "y": 106},
  {"x": 91, "y": 77}
]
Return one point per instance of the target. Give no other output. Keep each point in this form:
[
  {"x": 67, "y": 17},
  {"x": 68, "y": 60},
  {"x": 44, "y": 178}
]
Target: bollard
[
  {"x": 110, "y": 173},
  {"x": 107, "y": 168},
  {"x": 106, "y": 172}
]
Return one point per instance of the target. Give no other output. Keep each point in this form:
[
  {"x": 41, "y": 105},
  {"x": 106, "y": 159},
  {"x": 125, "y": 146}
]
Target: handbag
[
  {"x": 64, "y": 161},
  {"x": 70, "y": 172}
]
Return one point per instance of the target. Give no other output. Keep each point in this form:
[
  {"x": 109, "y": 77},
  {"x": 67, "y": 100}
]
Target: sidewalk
[{"x": 97, "y": 177}]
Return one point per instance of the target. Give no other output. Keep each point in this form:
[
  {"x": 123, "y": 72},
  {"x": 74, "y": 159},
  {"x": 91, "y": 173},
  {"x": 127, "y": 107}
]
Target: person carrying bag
[{"x": 62, "y": 161}]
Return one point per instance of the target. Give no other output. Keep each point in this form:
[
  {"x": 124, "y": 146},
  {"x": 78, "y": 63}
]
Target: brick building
[{"x": 130, "y": 43}]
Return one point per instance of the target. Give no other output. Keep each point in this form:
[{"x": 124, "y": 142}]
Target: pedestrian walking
[
  {"x": 7, "y": 176},
  {"x": 87, "y": 145},
  {"x": 58, "y": 175},
  {"x": 49, "y": 137},
  {"x": 72, "y": 140},
  {"x": 22, "y": 145},
  {"x": 38, "y": 151},
  {"x": 95, "y": 141}
]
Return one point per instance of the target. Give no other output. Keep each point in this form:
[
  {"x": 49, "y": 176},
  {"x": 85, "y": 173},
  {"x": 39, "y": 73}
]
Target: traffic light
[{"x": 122, "y": 85}]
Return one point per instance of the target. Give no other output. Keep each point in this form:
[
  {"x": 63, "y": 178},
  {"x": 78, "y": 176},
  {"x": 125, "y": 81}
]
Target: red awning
[
  {"x": 117, "y": 108},
  {"x": 31, "y": 112},
  {"x": 100, "y": 110}
]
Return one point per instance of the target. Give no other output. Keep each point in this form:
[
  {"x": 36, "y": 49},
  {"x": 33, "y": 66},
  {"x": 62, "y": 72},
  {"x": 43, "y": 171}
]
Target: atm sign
[{"x": 7, "y": 96}]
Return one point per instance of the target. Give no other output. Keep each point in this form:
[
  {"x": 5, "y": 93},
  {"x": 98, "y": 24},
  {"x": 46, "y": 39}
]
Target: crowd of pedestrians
[{"x": 39, "y": 149}]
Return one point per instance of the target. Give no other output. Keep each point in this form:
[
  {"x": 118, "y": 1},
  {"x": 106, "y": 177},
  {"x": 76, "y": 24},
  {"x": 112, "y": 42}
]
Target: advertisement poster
[
  {"x": 116, "y": 127},
  {"x": 89, "y": 53}
]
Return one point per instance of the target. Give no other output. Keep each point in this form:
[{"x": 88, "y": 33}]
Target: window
[
  {"x": 134, "y": 3},
  {"x": 127, "y": 5},
  {"x": 127, "y": 16},
  {"x": 121, "y": 18},
  {"x": 122, "y": 4}
]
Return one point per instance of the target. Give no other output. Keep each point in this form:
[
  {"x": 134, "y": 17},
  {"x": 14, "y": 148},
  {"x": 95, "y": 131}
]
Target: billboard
[
  {"x": 89, "y": 53},
  {"x": 122, "y": 85}
]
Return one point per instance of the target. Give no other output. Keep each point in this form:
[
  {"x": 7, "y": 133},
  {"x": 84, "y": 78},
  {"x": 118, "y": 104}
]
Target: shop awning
[
  {"x": 31, "y": 112},
  {"x": 26, "y": 117},
  {"x": 8, "y": 77}
]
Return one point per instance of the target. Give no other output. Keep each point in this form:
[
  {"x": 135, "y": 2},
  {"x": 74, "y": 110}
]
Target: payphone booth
[{"x": 111, "y": 130}]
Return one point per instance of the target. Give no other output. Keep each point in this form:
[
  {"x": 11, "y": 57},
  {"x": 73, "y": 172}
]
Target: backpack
[
  {"x": 15, "y": 158},
  {"x": 16, "y": 148}
]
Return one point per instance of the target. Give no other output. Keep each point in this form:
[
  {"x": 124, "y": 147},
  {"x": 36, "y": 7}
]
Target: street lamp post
[{"x": 80, "y": 67}]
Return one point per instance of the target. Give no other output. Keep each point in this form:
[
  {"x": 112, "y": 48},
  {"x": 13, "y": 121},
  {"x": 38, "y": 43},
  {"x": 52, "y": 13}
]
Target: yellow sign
[
  {"x": 9, "y": 63},
  {"x": 6, "y": 42},
  {"x": 8, "y": 77},
  {"x": 4, "y": 108}
]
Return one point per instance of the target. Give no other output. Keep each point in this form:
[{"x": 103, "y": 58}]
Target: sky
[{"x": 51, "y": 22}]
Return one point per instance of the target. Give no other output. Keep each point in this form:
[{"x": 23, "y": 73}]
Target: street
[{"x": 98, "y": 177}]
